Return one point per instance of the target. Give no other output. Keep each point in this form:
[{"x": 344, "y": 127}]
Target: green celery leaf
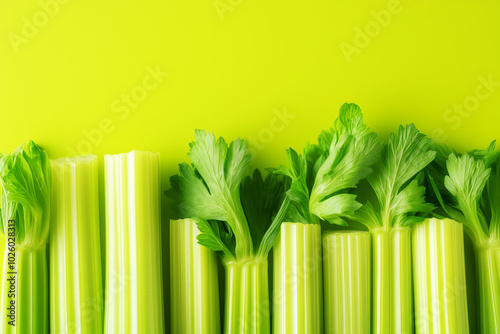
[
  {"x": 353, "y": 149},
  {"x": 210, "y": 189},
  {"x": 332, "y": 209},
  {"x": 25, "y": 177},
  {"x": 216, "y": 236},
  {"x": 261, "y": 199},
  {"x": 466, "y": 181},
  {"x": 407, "y": 153},
  {"x": 298, "y": 193},
  {"x": 494, "y": 198}
]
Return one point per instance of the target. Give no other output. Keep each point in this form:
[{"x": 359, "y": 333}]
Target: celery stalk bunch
[
  {"x": 238, "y": 217},
  {"x": 323, "y": 181}
]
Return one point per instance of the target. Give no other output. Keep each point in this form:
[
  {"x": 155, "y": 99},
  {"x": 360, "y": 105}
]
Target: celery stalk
[
  {"x": 488, "y": 262},
  {"x": 134, "y": 299},
  {"x": 75, "y": 255},
  {"x": 193, "y": 281},
  {"x": 439, "y": 274},
  {"x": 347, "y": 281},
  {"x": 26, "y": 181},
  {"x": 467, "y": 188},
  {"x": 238, "y": 217},
  {"x": 31, "y": 310},
  {"x": 392, "y": 290},
  {"x": 247, "y": 297},
  {"x": 298, "y": 304}
]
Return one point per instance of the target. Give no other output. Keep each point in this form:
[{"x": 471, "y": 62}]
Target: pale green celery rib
[
  {"x": 134, "y": 287},
  {"x": 488, "y": 262},
  {"x": 347, "y": 281},
  {"x": 193, "y": 282},
  {"x": 31, "y": 293},
  {"x": 439, "y": 277},
  {"x": 247, "y": 308},
  {"x": 298, "y": 294},
  {"x": 392, "y": 303},
  {"x": 75, "y": 255}
]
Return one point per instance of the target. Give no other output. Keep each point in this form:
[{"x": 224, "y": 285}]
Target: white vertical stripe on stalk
[{"x": 133, "y": 172}]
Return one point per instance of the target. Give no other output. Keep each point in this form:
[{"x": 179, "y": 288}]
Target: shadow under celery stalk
[
  {"x": 322, "y": 179},
  {"x": 26, "y": 180},
  {"x": 395, "y": 182},
  {"x": 467, "y": 187},
  {"x": 238, "y": 218}
]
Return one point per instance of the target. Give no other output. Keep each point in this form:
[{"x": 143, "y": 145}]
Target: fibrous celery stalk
[
  {"x": 194, "y": 286},
  {"x": 134, "y": 287},
  {"x": 298, "y": 281},
  {"x": 347, "y": 281},
  {"x": 76, "y": 304},
  {"x": 439, "y": 277}
]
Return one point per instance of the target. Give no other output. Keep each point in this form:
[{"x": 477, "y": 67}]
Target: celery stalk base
[
  {"x": 488, "y": 261},
  {"x": 247, "y": 307}
]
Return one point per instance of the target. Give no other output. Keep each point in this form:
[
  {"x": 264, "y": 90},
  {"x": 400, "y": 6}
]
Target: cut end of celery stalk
[
  {"x": 134, "y": 283},
  {"x": 298, "y": 286},
  {"x": 347, "y": 281},
  {"x": 439, "y": 275},
  {"x": 75, "y": 254},
  {"x": 193, "y": 281}
]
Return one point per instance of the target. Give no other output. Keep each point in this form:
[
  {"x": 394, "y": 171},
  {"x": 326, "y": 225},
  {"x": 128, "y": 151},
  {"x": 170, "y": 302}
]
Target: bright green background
[{"x": 228, "y": 75}]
